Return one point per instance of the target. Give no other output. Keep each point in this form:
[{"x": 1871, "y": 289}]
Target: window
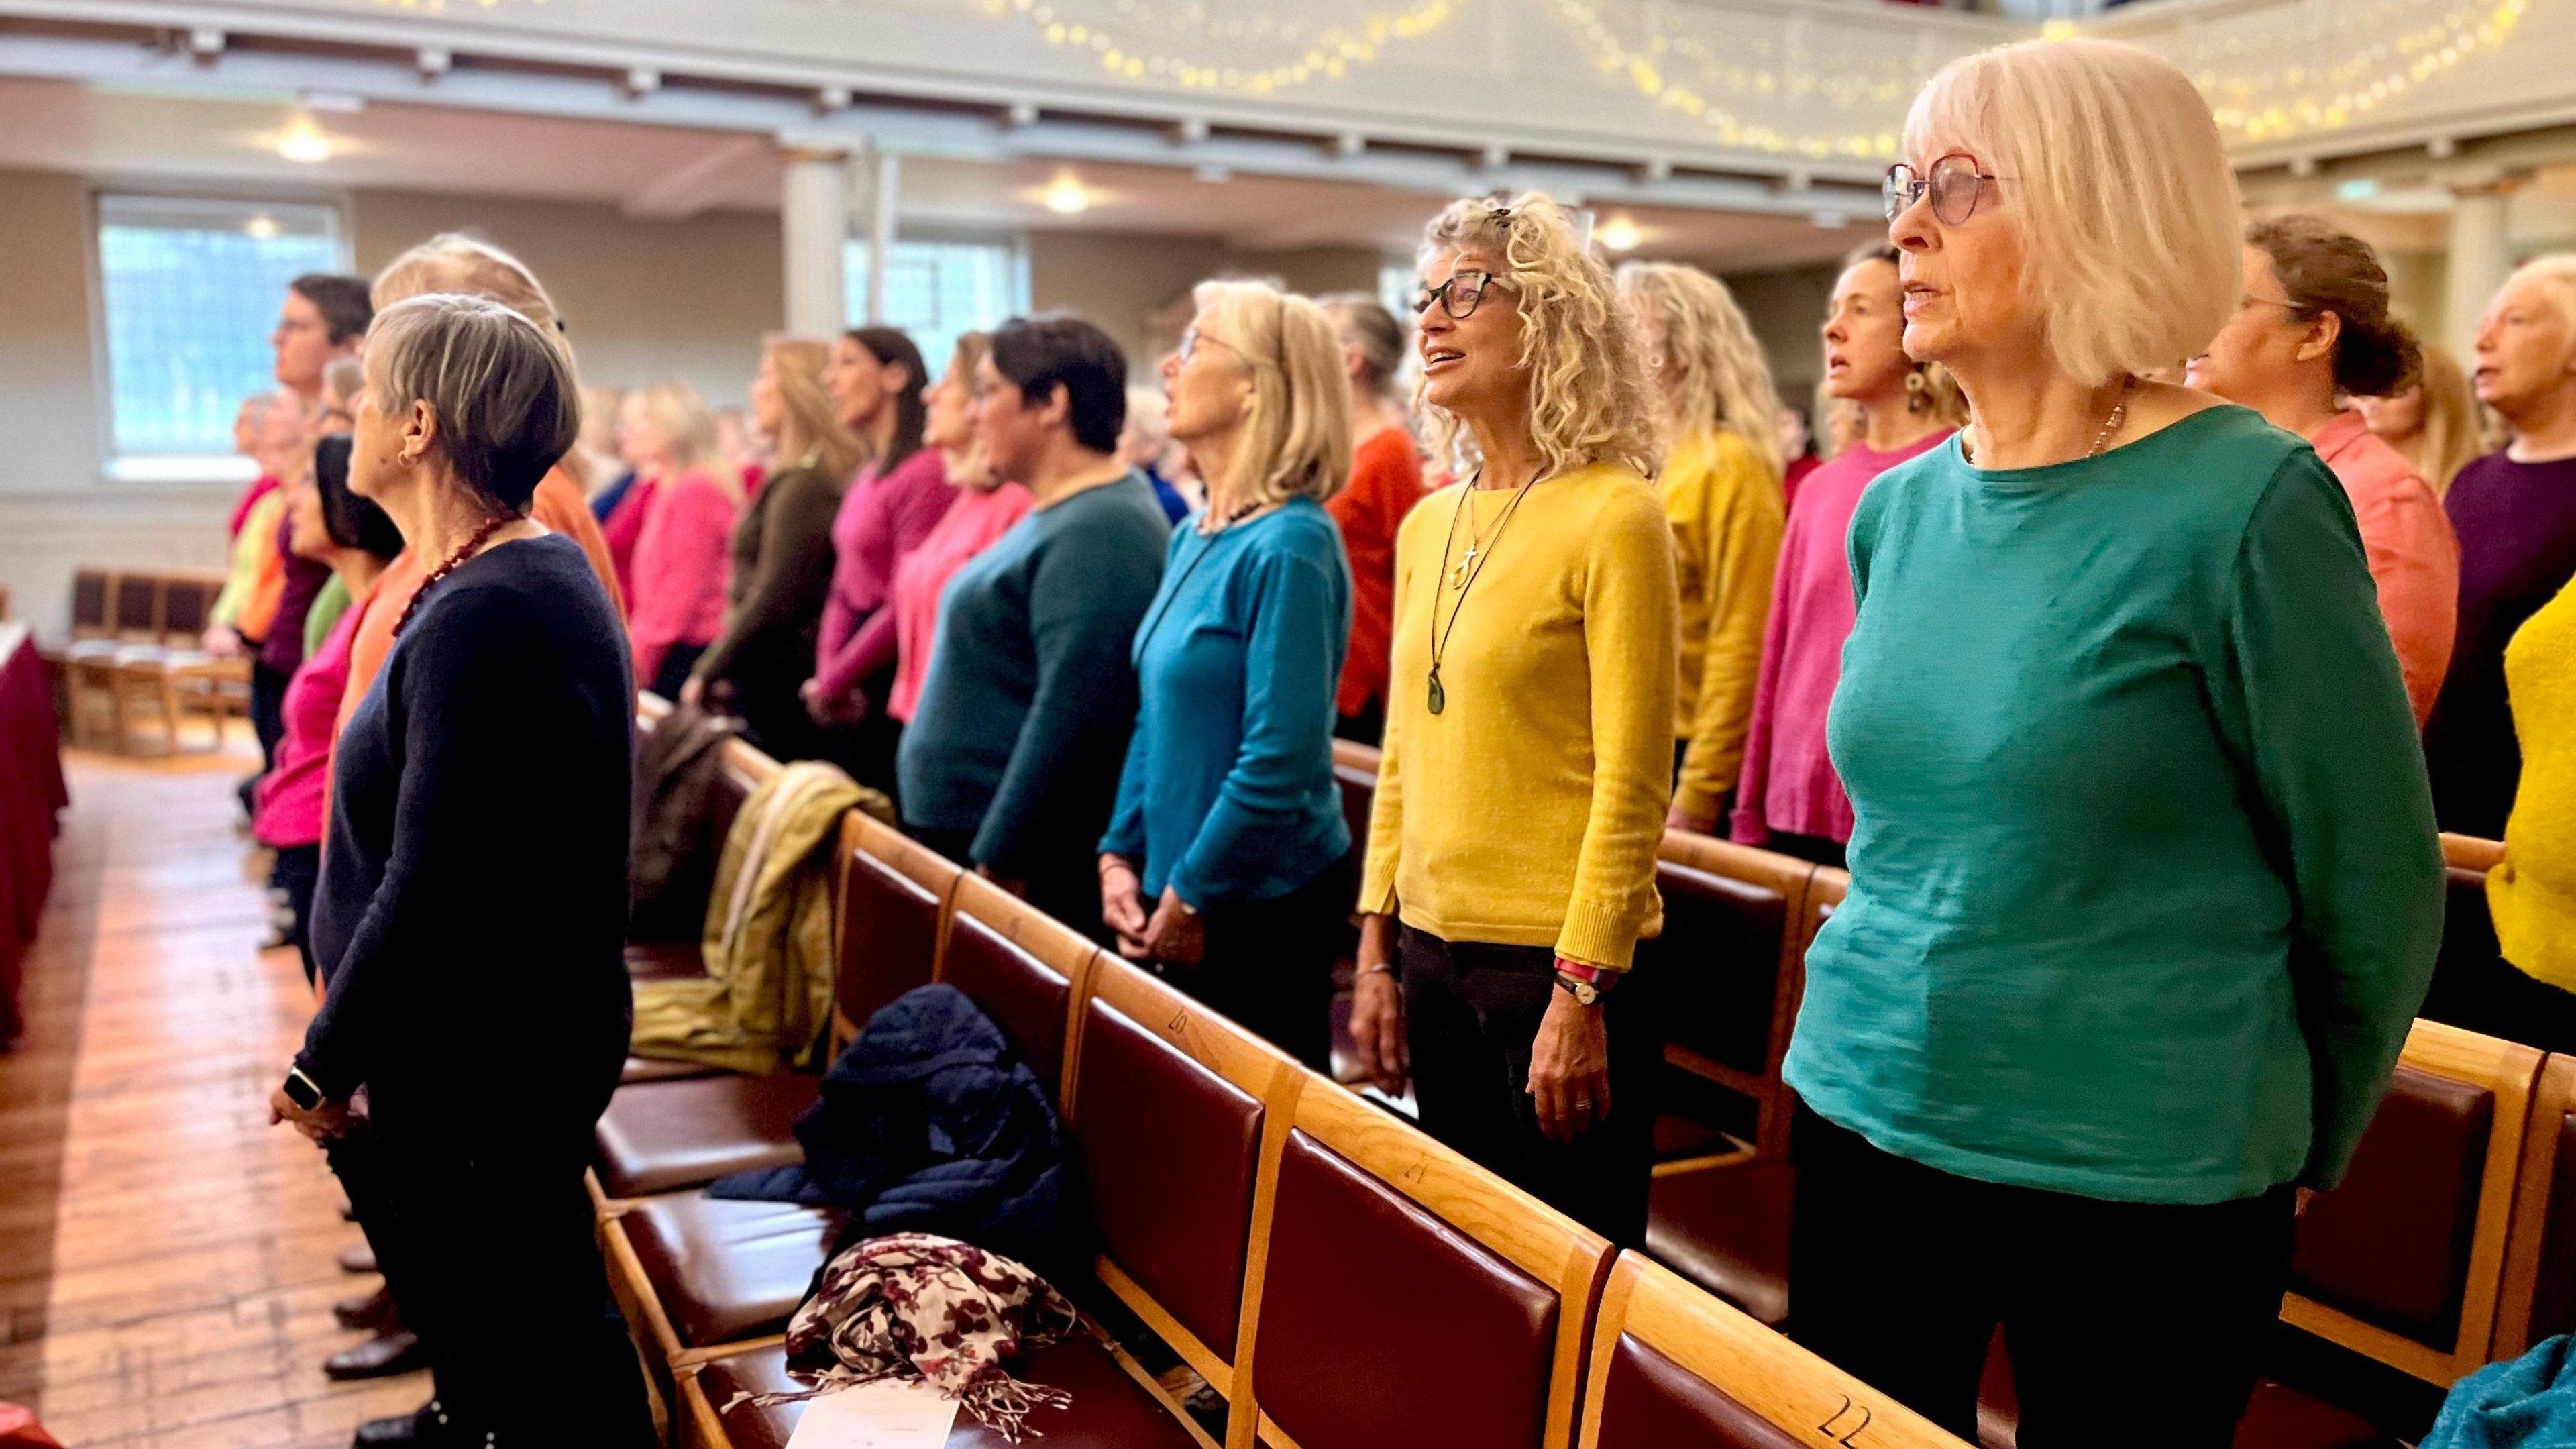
[
  {"x": 1399, "y": 286},
  {"x": 189, "y": 290},
  {"x": 935, "y": 290}
]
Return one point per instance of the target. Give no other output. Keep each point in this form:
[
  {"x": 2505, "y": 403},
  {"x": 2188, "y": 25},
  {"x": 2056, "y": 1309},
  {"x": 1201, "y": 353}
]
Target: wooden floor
[{"x": 167, "y": 1257}]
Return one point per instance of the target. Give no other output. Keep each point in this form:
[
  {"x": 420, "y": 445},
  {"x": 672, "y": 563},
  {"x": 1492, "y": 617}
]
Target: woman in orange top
[
  {"x": 2313, "y": 328},
  {"x": 1386, "y": 481},
  {"x": 452, "y": 263}
]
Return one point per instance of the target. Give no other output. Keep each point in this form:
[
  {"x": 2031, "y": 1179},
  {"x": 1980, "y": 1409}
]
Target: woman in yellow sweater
[
  {"x": 1721, "y": 487},
  {"x": 2533, "y": 891},
  {"x": 1528, "y": 749}
]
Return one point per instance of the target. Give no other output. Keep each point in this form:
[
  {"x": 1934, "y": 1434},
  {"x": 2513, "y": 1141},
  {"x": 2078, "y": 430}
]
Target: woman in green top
[{"x": 2145, "y": 886}]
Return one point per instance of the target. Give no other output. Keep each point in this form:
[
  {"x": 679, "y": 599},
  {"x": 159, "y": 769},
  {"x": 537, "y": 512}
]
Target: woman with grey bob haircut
[
  {"x": 469, "y": 921},
  {"x": 2145, "y": 888}
]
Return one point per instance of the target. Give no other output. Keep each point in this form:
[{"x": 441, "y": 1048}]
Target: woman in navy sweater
[
  {"x": 1223, "y": 863},
  {"x": 472, "y": 905}
]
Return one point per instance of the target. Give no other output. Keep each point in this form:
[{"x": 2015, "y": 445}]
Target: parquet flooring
[{"x": 167, "y": 1258}]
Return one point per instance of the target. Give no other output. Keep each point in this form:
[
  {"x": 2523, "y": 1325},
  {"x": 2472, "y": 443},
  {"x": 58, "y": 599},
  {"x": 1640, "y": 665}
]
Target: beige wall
[
  {"x": 1137, "y": 287},
  {"x": 1786, "y": 308}
]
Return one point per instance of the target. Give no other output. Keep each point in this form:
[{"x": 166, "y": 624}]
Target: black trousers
[
  {"x": 496, "y": 1267},
  {"x": 268, "y": 710},
  {"x": 676, "y": 664},
  {"x": 1269, "y": 964},
  {"x": 1471, "y": 1016},
  {"x": 1061, "y": 885},
  {"x": 2476, "y": 988},
  {"x": 2128, "y": 1323},
  {"x": 1367, "y": 727},
  {"x": 297, "y": 869}
]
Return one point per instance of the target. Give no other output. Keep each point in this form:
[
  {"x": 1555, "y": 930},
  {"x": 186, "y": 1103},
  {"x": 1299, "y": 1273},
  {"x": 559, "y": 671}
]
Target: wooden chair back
[{"x": 2539, "y": 1295}]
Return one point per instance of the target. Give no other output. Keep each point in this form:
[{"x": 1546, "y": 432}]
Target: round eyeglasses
[{"x": 1954, "y": 183}]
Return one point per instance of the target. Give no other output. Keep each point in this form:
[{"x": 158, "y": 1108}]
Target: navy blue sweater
[{"x": 470, "y": 919}]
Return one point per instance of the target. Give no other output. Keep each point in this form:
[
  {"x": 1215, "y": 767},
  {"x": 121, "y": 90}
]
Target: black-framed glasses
[
  {"x": 1954, "y": 182},
  {"x": 1459, "y": 296}
]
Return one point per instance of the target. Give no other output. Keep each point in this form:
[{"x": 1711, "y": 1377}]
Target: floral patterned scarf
[{"x": 915, "y": 1305}]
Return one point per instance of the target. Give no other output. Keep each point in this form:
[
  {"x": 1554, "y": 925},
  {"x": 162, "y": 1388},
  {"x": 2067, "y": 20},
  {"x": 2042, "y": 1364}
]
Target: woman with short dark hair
[
  {"x": 1012, "y": 760},
  {"x": 484, "y": 775}
]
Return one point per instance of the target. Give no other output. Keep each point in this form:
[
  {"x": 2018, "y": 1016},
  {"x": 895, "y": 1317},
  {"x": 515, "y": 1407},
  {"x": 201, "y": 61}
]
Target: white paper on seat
[{"x": 887, "y": 1414}]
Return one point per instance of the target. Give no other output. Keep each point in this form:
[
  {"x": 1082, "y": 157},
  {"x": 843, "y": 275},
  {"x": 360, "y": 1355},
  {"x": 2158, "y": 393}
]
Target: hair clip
[{"x": 1500, "y": 216}]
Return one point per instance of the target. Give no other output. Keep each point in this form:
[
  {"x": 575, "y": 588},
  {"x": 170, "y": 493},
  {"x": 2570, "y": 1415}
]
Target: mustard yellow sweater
[
  {"x": 1727, "y": 516},
  {"x": 2533, "y": 892},
  {"x": 1527, "y": 812}
]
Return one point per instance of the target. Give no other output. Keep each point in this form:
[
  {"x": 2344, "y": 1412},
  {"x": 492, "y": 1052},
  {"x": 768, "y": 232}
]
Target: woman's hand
[
  {"x": 1569, "y": 1077},
  {"x": 1377, "y": 1008},
  {"x": 221, "y": 641},
  {"x": 1122, "y": 905},
  {"x": 1176, "y": 933},
  {"x": 324, "y": 1124},
  {"x": 693, "y": 692}
]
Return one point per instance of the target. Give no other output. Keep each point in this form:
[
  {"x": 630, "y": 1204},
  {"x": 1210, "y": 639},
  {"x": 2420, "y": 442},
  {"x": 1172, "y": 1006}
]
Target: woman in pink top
[
  {"x": 983, "y": 510},
  {"x": 2313, "y": 329},
  {"x": 330, "y": 525},
  {"x": 876, "y": 379},
  {"x": 1789, "y": 797},
  {"x": 675, "y": 601}
]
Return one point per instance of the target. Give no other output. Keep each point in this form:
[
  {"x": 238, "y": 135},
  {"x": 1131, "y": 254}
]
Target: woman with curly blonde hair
[
  {"x": 1528, "y": 751},
  {"x": 1721, "y": 487}
]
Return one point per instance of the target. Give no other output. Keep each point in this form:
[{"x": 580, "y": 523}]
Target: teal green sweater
[{"x": 2145, "y": 884}]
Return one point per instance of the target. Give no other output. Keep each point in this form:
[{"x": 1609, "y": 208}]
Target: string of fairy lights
[{"x": 1760, "y": 80}]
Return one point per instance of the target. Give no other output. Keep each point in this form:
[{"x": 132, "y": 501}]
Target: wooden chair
[
  {"x": 1671, "y": 1365},
  {"x": 1408, "y": 1296},
  {"x": 2538, "y": 1299},
  {"x": 2403, "y": 1262},
  {"x": 1728, "y": 968}
]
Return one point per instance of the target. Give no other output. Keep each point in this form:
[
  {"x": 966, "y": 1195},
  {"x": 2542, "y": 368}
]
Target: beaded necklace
[{"x": 491, "y": 525}]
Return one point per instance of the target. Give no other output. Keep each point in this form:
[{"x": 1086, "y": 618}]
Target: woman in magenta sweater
[
  {"x": 876, "y": 380},
  {"x": 1789, "y": 797},
  {"x": 676, "y": 604}
]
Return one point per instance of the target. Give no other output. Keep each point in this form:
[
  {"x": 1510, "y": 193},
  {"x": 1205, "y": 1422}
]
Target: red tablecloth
[{"x": 31, "y": 796}]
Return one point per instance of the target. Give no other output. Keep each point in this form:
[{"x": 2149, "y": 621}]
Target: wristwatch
[
  {"x": 1586, "y": 984},
  {"x": 302, "y": 1090}
]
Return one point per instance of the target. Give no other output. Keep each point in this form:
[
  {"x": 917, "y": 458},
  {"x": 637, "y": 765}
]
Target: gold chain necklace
[{"x": 2101, "y": 440}]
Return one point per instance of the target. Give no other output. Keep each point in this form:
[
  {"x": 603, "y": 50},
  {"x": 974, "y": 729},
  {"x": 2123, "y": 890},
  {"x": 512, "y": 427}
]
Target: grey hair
[{"x": 503, "y": 394}]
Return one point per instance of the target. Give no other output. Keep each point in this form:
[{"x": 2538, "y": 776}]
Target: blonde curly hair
[
  {"x": 1588, "y": 398},
  {"x": 1704, "y": 354}
]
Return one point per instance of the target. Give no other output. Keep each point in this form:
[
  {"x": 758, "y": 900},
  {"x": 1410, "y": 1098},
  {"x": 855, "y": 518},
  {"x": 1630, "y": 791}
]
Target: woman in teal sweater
[
  {"x": 2145, "y": 885},
  {"x": 1223, "y": 863}
]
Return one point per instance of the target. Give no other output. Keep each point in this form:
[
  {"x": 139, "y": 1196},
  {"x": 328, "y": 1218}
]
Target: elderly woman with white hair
[
  {"x": 1222, "y": 863},
  {"x": 2145, "y": 887},
  {"x": 441, "y": 841},
  {"x": 1529, "y": 733}
]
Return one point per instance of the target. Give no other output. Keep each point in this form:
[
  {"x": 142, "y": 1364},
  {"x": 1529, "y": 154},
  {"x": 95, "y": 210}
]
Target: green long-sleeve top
[{"x": 2145, "y": 884}]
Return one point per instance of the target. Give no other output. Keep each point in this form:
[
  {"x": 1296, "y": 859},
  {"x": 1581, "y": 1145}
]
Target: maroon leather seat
[
  {"x": 723, "y": 1270},
  {"x": 2553, "y": 1304},
  {"x": 1028, "y": 999},
  {"x": 1717, "y": 964},
  {"x": 889, "y": 936},
  {"x": 1110, "y": 1409},
  {"x": 1381, "y": 1324},
  {"x": 2390, "y": 1245},
  {"x": 1727, "y": 1229},
  {"x": 664, "y": 960},
  {"x": 1170, "y": 1150},
  {"x": 1651, "y": 1402},
  {"x": 663, "y": 1136}
]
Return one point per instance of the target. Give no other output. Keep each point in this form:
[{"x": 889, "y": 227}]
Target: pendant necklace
[{"x": 1480, "y": 548}]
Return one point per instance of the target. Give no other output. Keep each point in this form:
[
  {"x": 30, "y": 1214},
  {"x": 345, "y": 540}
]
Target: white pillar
[
  {"x": 813, "y": 221},
  {"x": 884, "y": 187},
  {"x": 2480, "y": 258}
]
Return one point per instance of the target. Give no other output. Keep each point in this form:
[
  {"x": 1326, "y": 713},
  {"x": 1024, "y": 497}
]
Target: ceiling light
[
  {"x": 305, "y": 143},
  {"x": 262, "y": 227},
  {"x": 1066, "y": 195},
  {"x": 1619, "y": 234}
]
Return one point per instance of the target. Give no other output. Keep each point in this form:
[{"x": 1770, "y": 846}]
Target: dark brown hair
[
  {"x": 2325, "y": 270},
  {"x": 891, "y": 348}
]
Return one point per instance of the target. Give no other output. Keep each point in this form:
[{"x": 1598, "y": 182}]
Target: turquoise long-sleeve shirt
[
  {"x": 2145, "y": 883},
  {"x": 1228, "y": 793}
]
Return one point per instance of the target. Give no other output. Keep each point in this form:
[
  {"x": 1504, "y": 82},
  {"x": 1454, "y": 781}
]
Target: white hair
[{"x": 2111, "y": 166}]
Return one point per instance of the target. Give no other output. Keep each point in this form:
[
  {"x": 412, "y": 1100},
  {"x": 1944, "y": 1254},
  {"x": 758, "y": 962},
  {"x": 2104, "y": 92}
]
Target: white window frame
[
  {"x": 178, "y": 470},
  {"x": 1015, "y": 246}
]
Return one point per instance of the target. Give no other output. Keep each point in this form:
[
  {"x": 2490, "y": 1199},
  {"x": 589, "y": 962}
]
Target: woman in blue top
[
  {"x": 1223, "y": 863},
  {"x": 2145, "y": 887}
]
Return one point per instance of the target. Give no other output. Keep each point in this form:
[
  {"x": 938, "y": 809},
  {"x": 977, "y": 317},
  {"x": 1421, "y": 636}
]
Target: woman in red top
[
  {"x": 333, "y": 526},
  {"x": 677, "y": 607},
  {"x": 1386, "y": 481}
]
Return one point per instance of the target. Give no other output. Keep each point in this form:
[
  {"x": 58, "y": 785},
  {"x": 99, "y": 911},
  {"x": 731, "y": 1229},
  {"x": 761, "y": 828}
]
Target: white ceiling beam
[{"x": 685, "y": 191}]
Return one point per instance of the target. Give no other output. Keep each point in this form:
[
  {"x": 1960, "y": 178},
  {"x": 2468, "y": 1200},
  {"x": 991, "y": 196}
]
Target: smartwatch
[{"x": 302, "y": 1090}]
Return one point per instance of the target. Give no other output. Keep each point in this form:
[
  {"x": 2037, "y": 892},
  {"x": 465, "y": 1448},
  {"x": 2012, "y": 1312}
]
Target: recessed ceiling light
[
  {"x": 1066, "y": 195},
  {"x": 1619, "y": 234},
  {"x": 262, "y": 227},
  {"x": 305, "y": 143}
]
